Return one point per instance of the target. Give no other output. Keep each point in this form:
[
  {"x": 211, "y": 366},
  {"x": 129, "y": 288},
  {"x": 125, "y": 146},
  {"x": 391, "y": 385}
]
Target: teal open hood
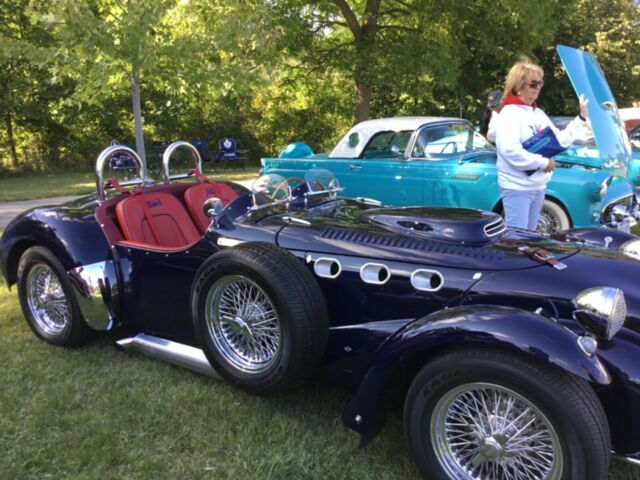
[{"x": 588, "y": 79}]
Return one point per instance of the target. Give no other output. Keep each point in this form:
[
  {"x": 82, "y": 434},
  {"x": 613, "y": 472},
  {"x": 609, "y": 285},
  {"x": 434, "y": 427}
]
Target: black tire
[
  {"x": 572, "y": 439},
  {"x": 47, "y": 300},
  {"x": 284, "y": 333}
]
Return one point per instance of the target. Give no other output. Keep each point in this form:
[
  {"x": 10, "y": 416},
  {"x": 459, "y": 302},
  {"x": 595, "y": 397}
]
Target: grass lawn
[
  {"x": 47, "y": 185},
  {"x": 97, "y": 413}
]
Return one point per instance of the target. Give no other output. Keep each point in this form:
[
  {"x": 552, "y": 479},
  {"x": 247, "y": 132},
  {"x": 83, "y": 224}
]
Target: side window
[
  {"x": 446, "y": 140},
  {"x": 387, "y": 144}
]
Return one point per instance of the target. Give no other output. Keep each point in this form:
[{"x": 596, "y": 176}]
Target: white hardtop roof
[{"x": 351, "y": 147}]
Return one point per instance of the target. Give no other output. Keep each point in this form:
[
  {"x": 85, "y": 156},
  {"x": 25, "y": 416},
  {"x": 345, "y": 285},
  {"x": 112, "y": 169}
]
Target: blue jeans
[{"x": 522, "y": 207}]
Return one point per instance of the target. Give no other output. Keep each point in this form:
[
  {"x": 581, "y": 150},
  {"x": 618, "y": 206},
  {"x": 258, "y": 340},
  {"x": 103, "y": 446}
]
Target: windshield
[
  {"x": 269, "y": 190},
  {"x": 444, "y": 141},
  {"x": 321, "y": 181}
]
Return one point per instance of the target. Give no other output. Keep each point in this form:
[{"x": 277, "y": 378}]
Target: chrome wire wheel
[
  {"x": 46, "y": 299},
  {"x": 486, "y": 431},
  {"x": 243, "y": 324}
]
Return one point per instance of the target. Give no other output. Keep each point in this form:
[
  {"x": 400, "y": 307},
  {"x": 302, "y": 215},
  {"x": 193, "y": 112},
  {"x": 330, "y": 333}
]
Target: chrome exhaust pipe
[{"x": 171, "y": 352}]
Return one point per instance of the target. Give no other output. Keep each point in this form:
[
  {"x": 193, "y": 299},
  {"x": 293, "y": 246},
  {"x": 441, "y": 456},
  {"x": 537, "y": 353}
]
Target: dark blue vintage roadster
[{"x": 516, "y": 355}]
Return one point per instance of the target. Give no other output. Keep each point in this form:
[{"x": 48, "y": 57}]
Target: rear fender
[
  {"x": 80, "y": 246},
  {"x": 479, "y": 326}
]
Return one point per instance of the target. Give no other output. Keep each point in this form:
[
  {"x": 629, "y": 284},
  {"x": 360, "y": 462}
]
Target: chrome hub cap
[
  {"x": 243, "y": 324},
  {"x": 485, "y": 431},
  {"x": 46, "y": 299}
]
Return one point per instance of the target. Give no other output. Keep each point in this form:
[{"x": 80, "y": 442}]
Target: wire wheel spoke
[
  {"x": 243, "y": 323},
  {"x": 486, "y": 431},
  {"x": 47, "y": 302}
]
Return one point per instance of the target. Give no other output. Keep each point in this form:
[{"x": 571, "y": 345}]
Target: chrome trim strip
[
  {"x": 228, "y": 242},
  {"x": 172, "y": 352},
  {"x": 166, "y": 156},
  {"x": 633, "y": 459},
  {"x": 94, "y": 287}
]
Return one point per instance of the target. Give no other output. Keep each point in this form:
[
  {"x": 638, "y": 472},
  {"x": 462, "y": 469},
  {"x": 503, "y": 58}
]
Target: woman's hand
[
  {"x": 584, "y": 112},
  {"x": 551, "y": 165}
]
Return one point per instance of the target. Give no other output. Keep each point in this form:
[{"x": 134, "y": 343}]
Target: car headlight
[
  {"x": 631, "y": 248},
  {"x": 601, "y": 311}
]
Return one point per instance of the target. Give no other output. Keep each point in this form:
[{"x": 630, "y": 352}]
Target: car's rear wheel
[
  {"x": 47, "y": 300},
  {"x": 260, "y": 316},
  {"x": 489, "y": 415}
]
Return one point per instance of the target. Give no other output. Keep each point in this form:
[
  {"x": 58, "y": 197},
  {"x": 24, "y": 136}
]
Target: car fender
[
  {"x": 539, "y": 338},
  {"x": 73, "y": 236}
]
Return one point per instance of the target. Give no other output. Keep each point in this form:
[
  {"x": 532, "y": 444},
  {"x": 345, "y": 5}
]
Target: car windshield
[
  {"x": 448, "y": 140},
  {"x": 321, "y": 181},
  {"x": 269, "y": 190}
]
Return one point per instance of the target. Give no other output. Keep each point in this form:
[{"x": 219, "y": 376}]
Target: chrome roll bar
[
  {"x": 105, "y": 155},
  {"x": 166, "y": 156}
]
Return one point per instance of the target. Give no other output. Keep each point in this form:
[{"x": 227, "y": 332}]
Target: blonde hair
[{"x": 519, "y": 75}]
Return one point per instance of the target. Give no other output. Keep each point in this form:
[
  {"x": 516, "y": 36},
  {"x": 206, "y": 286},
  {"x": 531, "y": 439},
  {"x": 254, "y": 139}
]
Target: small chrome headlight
[
  {"x": 631, "y": 248},
  {"x": 601, "y": 311}
]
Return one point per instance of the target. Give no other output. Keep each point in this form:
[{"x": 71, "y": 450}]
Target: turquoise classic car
[{"x": 435, "y": 161}]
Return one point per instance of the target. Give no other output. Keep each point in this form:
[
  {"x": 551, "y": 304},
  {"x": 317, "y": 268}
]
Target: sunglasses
[{"x": 535, "y": 84}]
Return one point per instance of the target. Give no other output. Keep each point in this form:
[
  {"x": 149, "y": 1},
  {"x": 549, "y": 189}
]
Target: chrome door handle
[{"x": 354, "y": 166}]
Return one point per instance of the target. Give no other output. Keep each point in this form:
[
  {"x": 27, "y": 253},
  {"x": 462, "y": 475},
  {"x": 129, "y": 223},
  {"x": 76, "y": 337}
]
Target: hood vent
[
  {"x": 395, "y": 241},
  {"x": 495, "y": 228}
]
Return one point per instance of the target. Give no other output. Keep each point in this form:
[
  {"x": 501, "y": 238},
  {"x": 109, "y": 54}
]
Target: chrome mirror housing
[
  {"x": 601, "y": 311},
  {"x": 212, "y": 208}
]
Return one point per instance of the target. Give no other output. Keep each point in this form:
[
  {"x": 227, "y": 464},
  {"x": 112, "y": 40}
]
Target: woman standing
[{"x": 522, "y": 175}]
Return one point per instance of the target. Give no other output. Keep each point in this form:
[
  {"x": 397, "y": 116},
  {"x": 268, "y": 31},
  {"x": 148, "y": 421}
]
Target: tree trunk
[
  {"x": 8, "y": 121},
  {"x": 137, "y": 114},
  {"x": 363, "y": 101}
]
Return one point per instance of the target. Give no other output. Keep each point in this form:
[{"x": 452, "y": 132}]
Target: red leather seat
[
  {"x": 156, "y": 219},
  {"x": 195, "y": 197}
]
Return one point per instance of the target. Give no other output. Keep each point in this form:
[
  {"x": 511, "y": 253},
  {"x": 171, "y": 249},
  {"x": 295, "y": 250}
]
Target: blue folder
[{"x": 544, "y": 143}]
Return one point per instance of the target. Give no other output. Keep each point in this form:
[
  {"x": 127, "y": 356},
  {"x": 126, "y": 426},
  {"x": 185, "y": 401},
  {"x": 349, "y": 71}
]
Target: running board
[{"x": 171, "y": 352}]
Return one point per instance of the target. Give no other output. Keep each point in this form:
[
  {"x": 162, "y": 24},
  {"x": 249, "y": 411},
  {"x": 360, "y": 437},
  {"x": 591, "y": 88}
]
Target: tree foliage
[{"x": 268, "y": 72}]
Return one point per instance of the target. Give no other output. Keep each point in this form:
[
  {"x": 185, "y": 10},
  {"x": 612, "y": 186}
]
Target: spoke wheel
[
  {"x": 46, "y": 299},
  {"x": 481, "y": 430},
  {"x": 491, "y": 415},
  {"x": 553, "y": 217},
  {"x": 243, "y": 323},
  {"x": 260, "y": 316}
]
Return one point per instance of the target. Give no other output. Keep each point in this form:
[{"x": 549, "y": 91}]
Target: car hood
[
  {"x": 446, "y": 237},
  {"x": 588, "y": 79}
]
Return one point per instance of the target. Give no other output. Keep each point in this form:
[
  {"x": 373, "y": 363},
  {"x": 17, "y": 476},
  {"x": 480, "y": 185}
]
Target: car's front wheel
[
  {"x": 490, "y": 415},
  {"x": 553, "y": 217},
  {"x": 47, "y": 300}
]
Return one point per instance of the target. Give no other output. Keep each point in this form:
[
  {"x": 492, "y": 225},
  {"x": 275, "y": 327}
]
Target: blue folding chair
[{"x": 227, "y": 152}]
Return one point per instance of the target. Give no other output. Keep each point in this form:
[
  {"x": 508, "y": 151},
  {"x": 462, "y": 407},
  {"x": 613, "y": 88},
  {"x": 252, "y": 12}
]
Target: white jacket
[{"x": 515, "y": 124}]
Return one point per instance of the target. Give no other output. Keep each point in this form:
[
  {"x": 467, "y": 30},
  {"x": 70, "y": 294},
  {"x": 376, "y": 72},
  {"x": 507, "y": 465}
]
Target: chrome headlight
[
  {"x": 631, "y": 248},
  {"x": 601, "y": 311}
]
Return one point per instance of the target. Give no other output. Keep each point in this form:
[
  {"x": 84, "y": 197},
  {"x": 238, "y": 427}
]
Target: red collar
[{"x": 513, "y": 100}]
